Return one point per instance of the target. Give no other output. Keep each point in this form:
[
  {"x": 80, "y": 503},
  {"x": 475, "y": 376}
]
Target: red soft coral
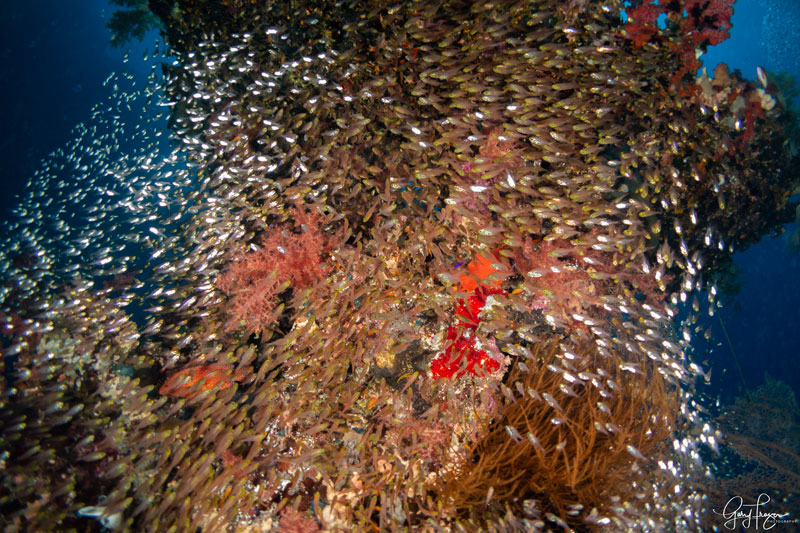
[
  {"x": 708, "y": 20},
  {"x": 643, "y": 23},
  {"x": 694, "y": 25},
  {"x": 696, "y": 21},
  {"x": 255, "y": 279},
  {"x": 461, "y": 342}
]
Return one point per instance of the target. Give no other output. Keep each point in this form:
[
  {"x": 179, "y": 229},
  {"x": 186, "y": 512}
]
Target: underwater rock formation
[{"x": 375, "y": 153}]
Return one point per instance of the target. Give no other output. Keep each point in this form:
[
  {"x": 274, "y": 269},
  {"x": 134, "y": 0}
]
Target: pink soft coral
[{"x": 286, "y": 259}]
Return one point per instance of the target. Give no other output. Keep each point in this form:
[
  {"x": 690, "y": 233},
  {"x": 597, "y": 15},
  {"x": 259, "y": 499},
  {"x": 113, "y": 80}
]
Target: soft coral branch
[
  {"x": 643, "y": 23},
  {"x": 707, "y": 20},
  {"x": 286, "y": 259}
]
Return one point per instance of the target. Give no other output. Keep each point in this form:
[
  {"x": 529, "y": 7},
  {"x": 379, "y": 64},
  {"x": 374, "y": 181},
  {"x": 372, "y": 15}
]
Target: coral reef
[{"x": 556, "y": 450}]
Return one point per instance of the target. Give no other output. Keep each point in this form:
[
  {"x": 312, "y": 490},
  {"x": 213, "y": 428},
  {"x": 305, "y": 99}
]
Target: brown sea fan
[{"x": 566, "y": 452}]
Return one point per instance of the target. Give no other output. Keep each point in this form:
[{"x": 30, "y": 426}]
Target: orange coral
[{"x": 480, "y": 268}]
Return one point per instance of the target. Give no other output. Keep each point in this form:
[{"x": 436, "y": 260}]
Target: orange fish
[{"x": 182, "y": 383}]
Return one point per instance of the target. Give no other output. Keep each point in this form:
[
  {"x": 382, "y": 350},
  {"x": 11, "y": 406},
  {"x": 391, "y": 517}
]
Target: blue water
[
  {"x": 55, "y": 54},
  {"x": 763, "y": 321}
]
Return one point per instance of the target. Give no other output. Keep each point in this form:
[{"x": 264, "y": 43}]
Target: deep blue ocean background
[{"x": 55, "y": 54}]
